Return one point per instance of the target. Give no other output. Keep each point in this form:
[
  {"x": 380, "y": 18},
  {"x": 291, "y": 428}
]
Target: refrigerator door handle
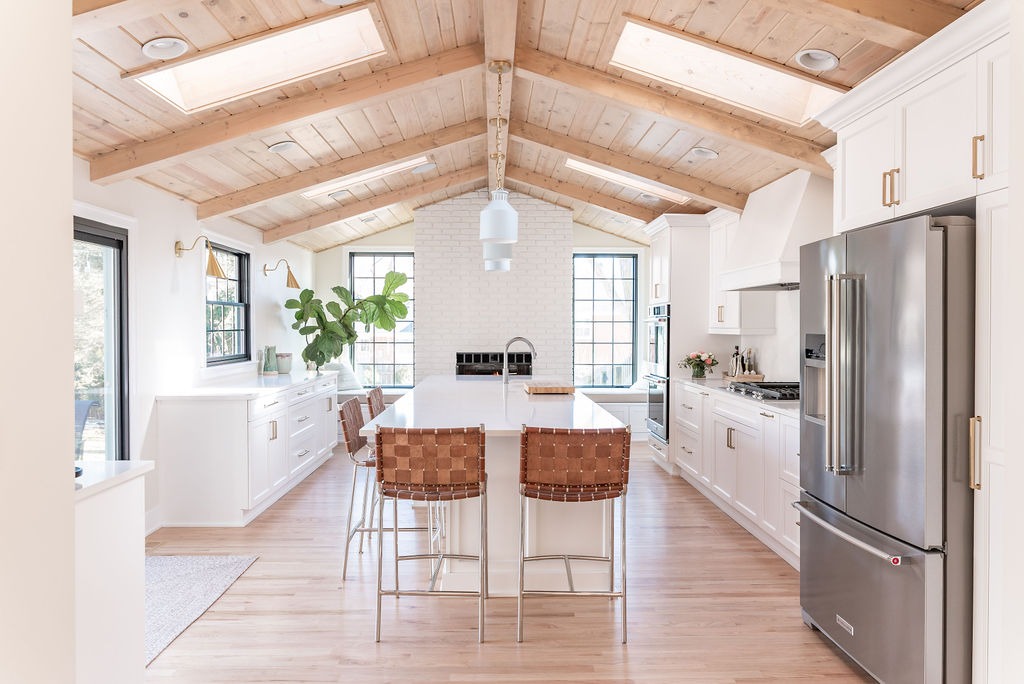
[
  {"x": 846, "y": 366},
  {"x": 894, "y": 561},
  {"x": 831, "y": 365}
]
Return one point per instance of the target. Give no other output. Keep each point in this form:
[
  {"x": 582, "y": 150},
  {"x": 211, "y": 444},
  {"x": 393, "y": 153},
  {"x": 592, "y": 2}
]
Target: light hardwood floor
[{"x": 707, "y": 603}]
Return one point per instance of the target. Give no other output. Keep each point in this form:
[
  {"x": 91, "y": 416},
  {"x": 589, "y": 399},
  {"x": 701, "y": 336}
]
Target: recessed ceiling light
[
  {"x": 368, "y": 219},
  {"x": 817, "y": 60},
  {"x": 282, "y": 146},
  {"x": 703, "y": 153},
  {"x": 647, "y": 197},
  {"x": 165, "y": 47},
  {"x": 339, "y": 195},
  {"x": 425, "y": 168}
]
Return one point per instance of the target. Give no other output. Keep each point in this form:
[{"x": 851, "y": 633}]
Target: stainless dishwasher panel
[{"x": 878, "y": 599}]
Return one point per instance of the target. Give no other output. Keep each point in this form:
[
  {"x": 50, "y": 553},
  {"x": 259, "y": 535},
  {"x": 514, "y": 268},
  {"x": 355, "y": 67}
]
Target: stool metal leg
[
  {"x": 611, "y": 544},
  {"x": 482, "y": 560},
  {"x": 622, "y": 561},
  {"x": 366, "y": 503},
  {"x": 348, "y": 525},
  {"x": 522, "y": 565},
  {"x": 394, "y": 526},
  {"x": 380, "y": 555}
]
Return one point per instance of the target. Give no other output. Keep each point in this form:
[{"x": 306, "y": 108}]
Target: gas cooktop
[{"x": 774, "y": 391}]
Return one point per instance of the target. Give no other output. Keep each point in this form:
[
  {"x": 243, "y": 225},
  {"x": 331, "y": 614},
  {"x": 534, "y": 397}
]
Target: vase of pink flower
[{"x": 699, "y": 363}]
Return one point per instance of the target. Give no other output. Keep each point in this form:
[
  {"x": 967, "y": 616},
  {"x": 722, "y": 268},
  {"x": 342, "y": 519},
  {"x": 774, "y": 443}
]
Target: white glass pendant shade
[
  {"x": 498, "y": 265},
  {"x": 497, "y": 250},
  {"x": 499, "y": 222}
]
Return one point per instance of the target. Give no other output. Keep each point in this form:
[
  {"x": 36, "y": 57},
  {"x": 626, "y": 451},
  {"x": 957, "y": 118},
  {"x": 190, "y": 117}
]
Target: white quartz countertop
[
  {"x": 246, "y": 386},
  {"x": 443, "y": 401},
  {"x": 99, "y": 476},
  {"x": 717, "y": 385}
]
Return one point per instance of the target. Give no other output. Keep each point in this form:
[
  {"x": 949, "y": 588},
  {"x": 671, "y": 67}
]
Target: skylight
[
  {"x": 627, "y": 181},
  {"x": 271, "y": 62},
  {"x": 349, "y": 181},
  {"x": 663, "y": 57}
]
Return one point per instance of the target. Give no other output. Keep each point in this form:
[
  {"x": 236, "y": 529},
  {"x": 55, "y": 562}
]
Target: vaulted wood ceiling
[{"x": 433, "y": 94}]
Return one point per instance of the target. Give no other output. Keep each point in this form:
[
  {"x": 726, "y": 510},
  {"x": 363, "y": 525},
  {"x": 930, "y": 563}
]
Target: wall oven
[{"x": 657, "y": 371}]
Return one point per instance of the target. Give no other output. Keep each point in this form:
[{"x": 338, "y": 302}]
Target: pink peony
[
  {"x": 693, "y": 355},
  {"x": 709, "y": 361}
]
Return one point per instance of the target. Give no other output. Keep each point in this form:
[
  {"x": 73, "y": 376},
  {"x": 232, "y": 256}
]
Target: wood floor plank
[{"x": 707, "y": 603}]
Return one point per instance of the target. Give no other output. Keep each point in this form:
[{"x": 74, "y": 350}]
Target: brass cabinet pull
[
  {"x": 688, "y": 408},
  {"x": 885, "y": 188},
  {"x": 728, "y": 438},
  {"x": 721, "y": 314},
  {"x": 893, "y": 201},
  {"x": 767, "y": 415},
  {"x": 273, "y": 428},
  {"x": 302, "y": 453},
  {"x": 975, "y": 433},
  {"x": 303, "y": 419},
  {"x": 330, "y": 404},
  {"x": 975, "y": 173}
]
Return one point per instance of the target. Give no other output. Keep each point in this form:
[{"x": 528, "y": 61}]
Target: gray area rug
[{"x": 181, "y": 588}]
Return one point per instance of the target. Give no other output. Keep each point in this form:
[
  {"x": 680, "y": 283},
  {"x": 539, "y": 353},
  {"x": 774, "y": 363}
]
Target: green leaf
[
  {"x": 292, "y": 304},
  {"x": 307, "y": 330},
  {"x": 344, "y": 295},
  {"x": 398, "y": 309},
  {"x": 392, "y": 281},
  {"x": 305, "y": 296},
  {"x": 334, "y": 309}
]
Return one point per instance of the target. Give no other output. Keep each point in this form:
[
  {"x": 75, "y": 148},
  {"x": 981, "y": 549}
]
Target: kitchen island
[{"x": 463, "y": 401}]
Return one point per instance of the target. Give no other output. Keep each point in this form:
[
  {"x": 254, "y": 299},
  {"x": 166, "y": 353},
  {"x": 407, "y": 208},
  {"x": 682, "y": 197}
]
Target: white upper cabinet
[
  {"x": 661, "y": 254},
  {"x": 734, "y": 313},
  {"x": 929, "y": 129}
]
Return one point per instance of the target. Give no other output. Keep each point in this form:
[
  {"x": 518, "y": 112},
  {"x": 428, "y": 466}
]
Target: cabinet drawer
[
  {"x": 301, "y": 451},
  {"x": 687, "y": 452},
  {"x": 688, "y": 407},
  {"x": 264, "y": 406},
  {"x": 302, "y": 418},
  {"x": 326, "y": 385},
  {"x": 302, "y": 392},
  {"x": 745, "y": 414}
]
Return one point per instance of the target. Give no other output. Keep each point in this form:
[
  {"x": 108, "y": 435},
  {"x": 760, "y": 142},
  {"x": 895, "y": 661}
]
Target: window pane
[
  {"x": 383, "y": 357},
  {"x": 604, "y": 294},
  {"x": 227, "y": 309}
]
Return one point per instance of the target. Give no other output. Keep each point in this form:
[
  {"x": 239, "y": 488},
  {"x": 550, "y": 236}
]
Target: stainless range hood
[{"x": 764, "y": 254}]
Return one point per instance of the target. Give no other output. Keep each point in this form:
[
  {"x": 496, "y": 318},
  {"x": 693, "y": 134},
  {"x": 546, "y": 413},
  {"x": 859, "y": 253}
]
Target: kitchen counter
[
  {"x": 789, "y": 408},
  {"x": 246, "y": 386},
  {"x": 551, "y": 528},
  {"x": 99, "y": 476}
]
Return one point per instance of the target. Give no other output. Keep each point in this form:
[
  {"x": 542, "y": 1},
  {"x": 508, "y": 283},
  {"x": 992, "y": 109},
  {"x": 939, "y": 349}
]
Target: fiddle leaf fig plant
[{"x": 328, "y": 327}]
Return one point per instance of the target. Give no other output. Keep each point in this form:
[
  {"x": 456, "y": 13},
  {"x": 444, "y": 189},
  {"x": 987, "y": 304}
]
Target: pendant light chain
[{"x": 498, "y": 154}]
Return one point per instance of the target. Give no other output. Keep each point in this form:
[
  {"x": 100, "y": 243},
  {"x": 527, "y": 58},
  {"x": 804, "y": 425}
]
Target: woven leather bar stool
[
  {"x": 362, "y": 460},
  {"x": 431, "y": 465},
  {"x": 375, "y": 401},
  {"x": 572, "y": 466}
]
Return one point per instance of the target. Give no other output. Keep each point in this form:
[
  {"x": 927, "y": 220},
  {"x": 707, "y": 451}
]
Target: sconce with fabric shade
[
  {"x": 290, "y": 281},
  {"x": 212, "y": 266}
]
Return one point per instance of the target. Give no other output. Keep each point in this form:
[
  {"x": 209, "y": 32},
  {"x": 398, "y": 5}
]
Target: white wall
[
  {"x": 460, "y": 307},
  {"x": 778, "y": 355},
  {"x": 166, "y": 297},
  {"x": 37, "y": 641}
]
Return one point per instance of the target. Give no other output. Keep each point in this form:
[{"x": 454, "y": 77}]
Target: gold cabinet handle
[
  {"x": 885, "y": 189},
  {"x": 687, "y": 407},
  {"x": 893, "y": 201},
  {"x": 302, "y": 453},
  {"x": 273, "y": 428},
  {"x": 975, "y": 173},
  {"x": 721, "y": 313},
  {"x": 728, "y": 438},
  {"x": 330, "y": 404},
  {"x": 975, "y": 434},
  {"x": 767, "y": 415}
]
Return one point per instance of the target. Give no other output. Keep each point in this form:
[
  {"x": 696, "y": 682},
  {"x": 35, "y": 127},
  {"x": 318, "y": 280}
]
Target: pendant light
[
  {"x": 499, "y": 222},
  {"x": 497, "y": 256}
]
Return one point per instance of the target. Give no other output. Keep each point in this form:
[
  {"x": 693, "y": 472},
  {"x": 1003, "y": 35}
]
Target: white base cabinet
[
  {"x": 228, "y": 451},
  {"x": 632, "y": 414},
  {"x": 744, "y": 457}
]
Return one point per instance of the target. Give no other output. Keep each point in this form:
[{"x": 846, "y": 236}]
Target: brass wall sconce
[
  {"x": 212, "y": 267},
  {"x": 291, "y": 281}
]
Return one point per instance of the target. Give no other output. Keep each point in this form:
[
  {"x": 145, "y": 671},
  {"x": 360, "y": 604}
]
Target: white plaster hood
[{"x": 778, "y": 218}]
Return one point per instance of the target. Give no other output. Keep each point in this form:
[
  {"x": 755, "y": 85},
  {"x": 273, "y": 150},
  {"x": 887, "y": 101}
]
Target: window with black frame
[
  {"x": 383, "y": 357},
  {"x": 227, "y": 309},
  {"x": 604, "y": 320}
]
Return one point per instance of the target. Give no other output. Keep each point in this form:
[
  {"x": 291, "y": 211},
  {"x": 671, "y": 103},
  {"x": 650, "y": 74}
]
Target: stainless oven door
[
  {"x": 657, "y": 346},
  {"x": 657, "y": 407}
]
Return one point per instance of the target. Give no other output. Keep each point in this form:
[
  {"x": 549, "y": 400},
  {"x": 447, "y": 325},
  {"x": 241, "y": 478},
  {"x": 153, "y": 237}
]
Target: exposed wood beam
[
  {"x": 786, "y": 149},
  {"x": 703, "y": 190},
  {"x": 735, "y": 52},
  {"x": 499, "y": 46},
  {"x": 90, "y": 16},
  {"x": 373, "y": 203},
  {"x": 264, "y": 192},
  {"x": 356, "y": 93},
  {"x": 573, "y": 191},
  {"x": 900, "y": 25}
]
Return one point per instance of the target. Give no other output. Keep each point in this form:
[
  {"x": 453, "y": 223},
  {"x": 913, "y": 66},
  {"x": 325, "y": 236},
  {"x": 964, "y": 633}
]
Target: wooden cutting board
[{"x": 548, "y": 388}]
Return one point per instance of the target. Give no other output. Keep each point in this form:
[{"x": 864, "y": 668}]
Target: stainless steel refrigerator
[{"x": 887, "y": 332}]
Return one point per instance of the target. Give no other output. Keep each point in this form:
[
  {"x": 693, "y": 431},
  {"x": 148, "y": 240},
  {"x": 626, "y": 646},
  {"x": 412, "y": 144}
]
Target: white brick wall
[{"x": 460, "y": 307}]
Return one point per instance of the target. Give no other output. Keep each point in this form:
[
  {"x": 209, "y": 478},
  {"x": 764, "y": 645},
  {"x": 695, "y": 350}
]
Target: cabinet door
[
  {"x": 789, "y": 445},
  {"x": 749, "y": 495},
  {"x": 725, "y": 459},
  {"x": 771, "y": 439},
  {"x": 328, "y": 424},
  {"x": 660, "y": 255},
  {"x": 937, "y": 122},
  {"x": 790, "y": 532},
  {"x": 267, "y": 446},
  {"x": 867, "y": 150},
  {"x": 994, "y": 506},
  {"x": 994, "y": 115},
  {"x": 707, "y": 439},
  {"x": 723, "y": 307}
]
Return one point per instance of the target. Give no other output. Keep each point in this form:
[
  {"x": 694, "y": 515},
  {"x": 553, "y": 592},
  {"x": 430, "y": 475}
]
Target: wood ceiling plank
[
  {"x": 556, "y": 26},
  {"x": 349, "y": 94},
  {"x": 500, "y": 20},
  {"x": 595, "y": 19},
  {"x": 239, "y": 17},
  {"x": 430, "y": 25},
  {"x": 297, "y": 182},
  {"x": 198, "y": 26},
  {"x": 609, "y": 127},
  {"x": 789, "y": 149},
  {"x": 899, "y": 25},
  {"x": 354, "y": 209},
  {"x": 403, "y": 21},
  {"x": 753, "y": 22},
  {"x": 711, "y": 19},
  {"x": 573, "y": 191},
  {"x": 711, "y": 193},
  {"x": 91, "y": 16}
]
